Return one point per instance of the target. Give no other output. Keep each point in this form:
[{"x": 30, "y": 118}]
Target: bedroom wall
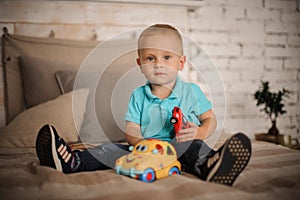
[{"x": 249, "y": 41}]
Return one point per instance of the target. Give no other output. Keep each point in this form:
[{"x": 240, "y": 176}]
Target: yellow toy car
[{"x": 149, "y": 160}]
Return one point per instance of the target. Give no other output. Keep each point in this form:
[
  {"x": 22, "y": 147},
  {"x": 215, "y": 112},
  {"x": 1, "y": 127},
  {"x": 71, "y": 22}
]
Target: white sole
[{"x": 54, "y": 151}]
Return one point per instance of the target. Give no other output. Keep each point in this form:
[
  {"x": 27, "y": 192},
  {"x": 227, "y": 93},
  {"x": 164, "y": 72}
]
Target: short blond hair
[{"x": 161, "y": 29}]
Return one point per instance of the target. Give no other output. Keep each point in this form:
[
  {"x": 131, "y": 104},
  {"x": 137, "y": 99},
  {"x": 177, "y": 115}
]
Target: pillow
[
  {"x": 65, "y": 80},
  {"x": 39, "y": 79},
  {"x": 105, "y": 110},
  {"x": 22, "y": 131},
  {"x": 90, "y": 132}
]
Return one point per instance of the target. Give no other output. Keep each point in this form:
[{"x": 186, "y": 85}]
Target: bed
[{"x": 39, "y": 84}]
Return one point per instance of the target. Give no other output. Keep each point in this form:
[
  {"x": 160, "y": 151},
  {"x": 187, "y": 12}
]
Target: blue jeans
[{"x": 104, "y": 156}]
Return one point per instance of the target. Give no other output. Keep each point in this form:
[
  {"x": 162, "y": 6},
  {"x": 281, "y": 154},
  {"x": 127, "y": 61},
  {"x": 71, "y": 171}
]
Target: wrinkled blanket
[{"x": 273, "y": 173}]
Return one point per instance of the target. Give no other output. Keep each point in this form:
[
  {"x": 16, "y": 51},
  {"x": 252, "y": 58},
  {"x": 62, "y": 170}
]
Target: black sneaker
[
  {"x": 229, "y": 160},
  {"x": 52, "y": 150}
]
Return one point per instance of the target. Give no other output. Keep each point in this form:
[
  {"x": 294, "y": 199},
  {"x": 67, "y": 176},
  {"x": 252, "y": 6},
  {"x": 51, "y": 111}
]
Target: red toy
[{"x": 178, "y": 120}]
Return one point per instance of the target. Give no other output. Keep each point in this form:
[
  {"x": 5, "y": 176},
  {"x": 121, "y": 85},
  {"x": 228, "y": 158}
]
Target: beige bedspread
[{"x": 273, "y": 173}]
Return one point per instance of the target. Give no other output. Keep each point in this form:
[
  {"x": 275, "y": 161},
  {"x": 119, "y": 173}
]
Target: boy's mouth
[{"x": 159, "y": 73}]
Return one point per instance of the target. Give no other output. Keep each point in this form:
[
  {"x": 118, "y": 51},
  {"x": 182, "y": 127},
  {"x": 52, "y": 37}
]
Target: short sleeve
[
  {"x": 203, "y": 104},
  {"x": 133, "y": 113}
]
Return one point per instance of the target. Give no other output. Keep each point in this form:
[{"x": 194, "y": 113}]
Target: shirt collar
[
  {"x": 148, "y": 91},
  {"x": 174, "y": 95},
  {"x": 177, "y": 90}
]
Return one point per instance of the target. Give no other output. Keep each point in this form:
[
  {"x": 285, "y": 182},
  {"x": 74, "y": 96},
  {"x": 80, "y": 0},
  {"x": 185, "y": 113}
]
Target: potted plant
[{"x": 271, "y": 103}]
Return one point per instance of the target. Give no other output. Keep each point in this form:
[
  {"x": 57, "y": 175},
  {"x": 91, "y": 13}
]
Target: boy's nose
[{"x": 158, "y": 64}]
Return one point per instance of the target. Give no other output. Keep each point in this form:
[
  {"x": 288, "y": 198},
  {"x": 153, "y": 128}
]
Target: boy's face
[{"x": 160, "y": 59}]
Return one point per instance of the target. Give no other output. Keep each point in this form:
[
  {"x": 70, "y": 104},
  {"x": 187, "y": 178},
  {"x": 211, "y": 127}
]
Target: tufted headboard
[
  {"x": 32, "y": 64},
  {"x": 15, "y": 47}
]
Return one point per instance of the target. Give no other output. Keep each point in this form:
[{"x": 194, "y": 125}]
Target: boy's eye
[
  {"x": 167, "y": 57},
  {"x": 149, "y": 58}
]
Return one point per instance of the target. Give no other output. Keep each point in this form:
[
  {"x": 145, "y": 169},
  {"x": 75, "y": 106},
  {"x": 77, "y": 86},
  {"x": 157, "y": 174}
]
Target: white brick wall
[
  {"x": 280, "y": 4},
  {"x": 248, "y": 40},
  {"x": 261, "y": 41}
]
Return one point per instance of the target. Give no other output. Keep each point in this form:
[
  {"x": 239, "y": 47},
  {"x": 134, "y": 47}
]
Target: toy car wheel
[
  {"x": 173, "y": 120},
  {"x": 174, "y": 170},
  {"x": 148, "y": 175}
]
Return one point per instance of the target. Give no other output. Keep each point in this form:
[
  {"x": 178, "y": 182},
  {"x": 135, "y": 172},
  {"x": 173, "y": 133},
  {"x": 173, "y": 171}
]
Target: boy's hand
[{"x": 188, "y": 133}]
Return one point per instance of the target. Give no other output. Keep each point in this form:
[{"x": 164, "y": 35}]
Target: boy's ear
[
  {"x": 182, "y": 62},
  {"x": 138, "y": 61}
]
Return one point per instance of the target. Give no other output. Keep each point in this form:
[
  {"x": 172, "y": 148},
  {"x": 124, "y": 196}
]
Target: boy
[{"x": 160, "y": 57}]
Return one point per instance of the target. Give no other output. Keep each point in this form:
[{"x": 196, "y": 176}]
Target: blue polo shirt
[{"x": 154, "y": 114}]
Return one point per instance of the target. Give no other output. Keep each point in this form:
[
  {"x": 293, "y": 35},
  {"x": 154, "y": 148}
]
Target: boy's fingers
[
  {"x": 189, "y": 124},
  {"x": 184, "y": 137},
  {"x": 185, "y": 131},
  {"x": 188, "y": 130}
]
